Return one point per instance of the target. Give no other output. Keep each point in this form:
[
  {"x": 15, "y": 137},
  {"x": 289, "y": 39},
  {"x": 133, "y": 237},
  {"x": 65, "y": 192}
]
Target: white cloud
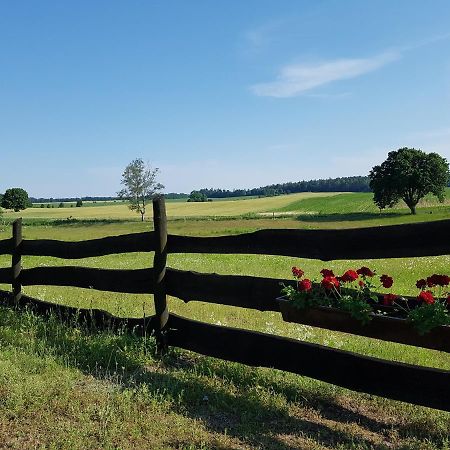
[{"x": 297, "y": 79}]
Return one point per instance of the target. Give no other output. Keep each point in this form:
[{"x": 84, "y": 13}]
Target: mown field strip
[{"x": 174, "y": 209}]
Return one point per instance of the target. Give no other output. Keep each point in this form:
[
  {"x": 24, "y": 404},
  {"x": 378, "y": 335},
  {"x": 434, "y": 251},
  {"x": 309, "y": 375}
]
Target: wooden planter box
[{"x": 380, "y": 327}]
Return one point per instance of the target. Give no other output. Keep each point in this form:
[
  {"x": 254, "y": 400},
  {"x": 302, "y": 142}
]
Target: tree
[
  {"x": 140, "y": 186},
  {"x": 409, "y": 174},
  {"x": 79, "y": 203},
  {"x": 16, "y": 199},
  {"x": 197, "y": 196}
]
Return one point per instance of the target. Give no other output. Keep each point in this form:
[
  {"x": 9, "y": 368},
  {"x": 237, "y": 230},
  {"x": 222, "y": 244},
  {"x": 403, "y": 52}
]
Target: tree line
[{"x": 341, "y": 184}]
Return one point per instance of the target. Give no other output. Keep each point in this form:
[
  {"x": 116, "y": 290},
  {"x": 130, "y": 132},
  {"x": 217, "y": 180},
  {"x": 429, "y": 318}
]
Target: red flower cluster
[
  {"x": 333, "y": 290},
  {"x": 426, "y": 296},
  {"x": 349, "y": 276},
  {"x": 330, "y": 282},
  {"x": 386, "y": 281},
  {"x": 365, "y": 272},
  {"x": 304, "y": 285},
  {"x": 327, "y": 273},
  {"x": 421, "y": 284},
  {"x": 437, "y": 280},
  {"x": 298, "y": 273},
  {"x": 388, "y": 299}
]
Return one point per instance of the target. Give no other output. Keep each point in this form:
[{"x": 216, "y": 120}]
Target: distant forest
[
  {"x": 70, "y": 199},
  {"x": 347, "y": 184}
]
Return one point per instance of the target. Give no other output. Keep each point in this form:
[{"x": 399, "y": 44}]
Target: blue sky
[{"x": 217, "y": 94}]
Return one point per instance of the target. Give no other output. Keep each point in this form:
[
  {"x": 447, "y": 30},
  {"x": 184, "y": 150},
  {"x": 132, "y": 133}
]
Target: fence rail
[
  {"x": 399, "y": 381},
  {"x": 138, "y": 281},
  {"x": 396, "y": 241},
  {"x": 414, "y": 384}
]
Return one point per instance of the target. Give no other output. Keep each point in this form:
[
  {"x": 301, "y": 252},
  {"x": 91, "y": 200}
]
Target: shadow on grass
[
  {"x": 351, "y": 217},
  {"x": 249, "y": 404}
]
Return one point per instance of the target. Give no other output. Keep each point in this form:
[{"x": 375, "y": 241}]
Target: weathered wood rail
[{"x": 415, "y": 384}]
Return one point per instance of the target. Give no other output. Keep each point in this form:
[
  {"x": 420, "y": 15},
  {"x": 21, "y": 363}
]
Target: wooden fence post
[
  {"x": 16, "y": 261},
  {"x": 159, "y": 267}
]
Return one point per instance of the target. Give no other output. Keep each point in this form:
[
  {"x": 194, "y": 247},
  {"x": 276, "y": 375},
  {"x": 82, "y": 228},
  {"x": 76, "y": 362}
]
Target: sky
[{"x": 234, "y": 94}]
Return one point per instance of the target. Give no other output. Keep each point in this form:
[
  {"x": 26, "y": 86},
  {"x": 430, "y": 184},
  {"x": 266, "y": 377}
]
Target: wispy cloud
[
  {"x": 297, "y": 79},
  {"x": 258, "y": 38}
]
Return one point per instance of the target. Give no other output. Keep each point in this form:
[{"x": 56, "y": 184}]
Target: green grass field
[
  {"x": 70, "y": 387},
  {"x": 174, "y": 209}
]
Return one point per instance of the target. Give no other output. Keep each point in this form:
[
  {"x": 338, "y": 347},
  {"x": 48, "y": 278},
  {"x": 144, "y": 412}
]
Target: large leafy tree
[
  {"x": 409, "y": 174},
  {"x": 16, "y": 199},
  {"x": 140, "y": 185}
]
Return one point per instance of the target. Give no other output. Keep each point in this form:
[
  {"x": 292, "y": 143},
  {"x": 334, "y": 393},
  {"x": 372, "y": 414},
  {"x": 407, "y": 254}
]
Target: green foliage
[
  {"x": 356, "y": 306},
  {"x": 197, "y": 196},
  {"x": 79, "y": 203},
  {"x": 61, "y": 205},
  {"x": 351, "y": 301},
  {"x": 409, "y": 174},
  {"x": 140, "y": 185},
  {"x": 428, "y": 316},
  {"x": 15, "y": 199}
]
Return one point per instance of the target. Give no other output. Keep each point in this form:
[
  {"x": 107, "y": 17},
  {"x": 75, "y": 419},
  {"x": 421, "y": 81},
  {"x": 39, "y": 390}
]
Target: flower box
[{"x": 382, "y": 327}]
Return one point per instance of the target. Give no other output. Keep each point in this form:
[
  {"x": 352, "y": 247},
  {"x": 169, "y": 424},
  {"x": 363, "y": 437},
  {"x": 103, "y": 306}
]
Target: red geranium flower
[
  {"x": 349, "y": 276},
  {"x": 298, "y": 273},
  {"x": 421, "y": 284},
  {"x": 426, "y": 296},
  {"x": 386, "y": 281},
  {"x": 304, "y": 285},
  {"x": 438, "y": 280},
  {"x": 365, "y": 271},
  {"x": 388, "y": 299},
  {"x": 327, "y": 273},
  {"x": 361, "y": 283},
  {"x": 330, "y": 282}
]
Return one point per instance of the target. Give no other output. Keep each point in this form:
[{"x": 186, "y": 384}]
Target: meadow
[{"x": 113, "y": 391}]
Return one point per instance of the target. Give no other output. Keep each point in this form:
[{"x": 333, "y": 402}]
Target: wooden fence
[{"x": 414, "y": 384}]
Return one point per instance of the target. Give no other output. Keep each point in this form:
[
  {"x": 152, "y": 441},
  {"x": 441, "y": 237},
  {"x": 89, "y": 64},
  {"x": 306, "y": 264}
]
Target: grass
[
  {"x": 113, "y": 210},
  {"x": 114, "y": 392},
  {"x": 354, "y": 203}
]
